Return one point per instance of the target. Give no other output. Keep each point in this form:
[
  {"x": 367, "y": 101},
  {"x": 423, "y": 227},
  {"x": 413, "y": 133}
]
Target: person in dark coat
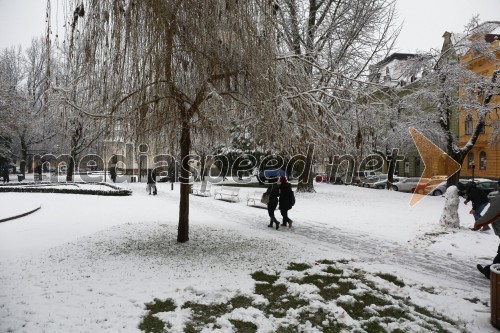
[
  {"x": 152, "y": 182},
  {"x": 5, "y": 174},
  {"x": 112, "y": 173},
  {"x": 273, "y": 191},
  {"x": 492, "y": 216},
  {"x": 479, "y": 200},
  {"x": 286, "y": 201}
]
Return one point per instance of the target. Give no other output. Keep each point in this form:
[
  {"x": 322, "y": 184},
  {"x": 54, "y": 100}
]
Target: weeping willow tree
[{"x": 166, "y": 68}]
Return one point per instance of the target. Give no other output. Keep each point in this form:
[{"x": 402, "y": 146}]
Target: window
[
  {"x": 417, "y": 166},
  {"x": 468, "y": 124},
  {"x": 482, "y": 160},
  {"x": 470, "y": 160}
]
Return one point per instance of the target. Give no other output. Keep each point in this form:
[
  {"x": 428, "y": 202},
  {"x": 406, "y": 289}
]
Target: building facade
[{"x": 483, "y": 161}]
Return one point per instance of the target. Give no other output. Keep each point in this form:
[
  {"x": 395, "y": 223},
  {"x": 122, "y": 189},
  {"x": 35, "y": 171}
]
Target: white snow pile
[{"x": 450, "y": 218}]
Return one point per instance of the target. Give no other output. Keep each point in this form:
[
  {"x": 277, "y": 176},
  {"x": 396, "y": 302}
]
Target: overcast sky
[{"x": 424, "y": 21}]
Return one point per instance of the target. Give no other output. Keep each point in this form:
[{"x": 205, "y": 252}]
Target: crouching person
[{"x": 492, "y": 216}]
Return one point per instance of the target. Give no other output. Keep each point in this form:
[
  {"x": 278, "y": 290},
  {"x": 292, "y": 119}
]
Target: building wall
[{"x": 484, "y": 67}]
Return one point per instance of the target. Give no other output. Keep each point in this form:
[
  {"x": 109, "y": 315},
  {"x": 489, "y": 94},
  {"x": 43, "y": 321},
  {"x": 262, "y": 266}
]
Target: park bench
[
  {"x": 254, "y": 198},
  {"x": 224, "y": 191},
  {"x": 202, "y": 189},
  {"x": 39, "y": 177}
]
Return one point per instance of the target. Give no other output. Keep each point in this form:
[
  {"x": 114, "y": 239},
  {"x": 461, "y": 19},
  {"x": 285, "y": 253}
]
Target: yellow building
[{"x": 484, "y": 158}]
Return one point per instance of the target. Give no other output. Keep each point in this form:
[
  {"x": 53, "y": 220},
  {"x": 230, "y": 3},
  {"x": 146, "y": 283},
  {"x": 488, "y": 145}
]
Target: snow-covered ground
[{"x": 86, "y": 263}]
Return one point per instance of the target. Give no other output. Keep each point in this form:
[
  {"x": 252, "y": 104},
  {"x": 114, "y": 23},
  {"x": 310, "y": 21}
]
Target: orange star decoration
[{"x": 438, "y": 166}]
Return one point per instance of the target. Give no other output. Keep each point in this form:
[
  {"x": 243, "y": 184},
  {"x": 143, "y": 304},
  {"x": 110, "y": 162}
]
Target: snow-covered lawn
[{"x": 86, "y": 263}]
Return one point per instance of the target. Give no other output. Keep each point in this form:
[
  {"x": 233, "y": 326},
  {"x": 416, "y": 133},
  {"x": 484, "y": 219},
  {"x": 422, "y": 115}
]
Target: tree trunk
[
  {"x": 24, "y": 155},
  {"x": 185, "y": 145},
  {"x": 306, "y": 178}
]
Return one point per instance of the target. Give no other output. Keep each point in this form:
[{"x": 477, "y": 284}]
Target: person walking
[
  {"x": 273, "y": 192},
  {"x": 479, "y": 201},
  {"x": 492, "y": 216},
  {"x": 286, "y": 201},
  {"x": 5, "y": 174},
  {"x": 112, "y": 173},
  {"x": 151, "y": 182}
]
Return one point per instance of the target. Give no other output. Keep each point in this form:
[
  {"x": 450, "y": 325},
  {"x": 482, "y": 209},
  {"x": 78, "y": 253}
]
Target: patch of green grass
[
  {"x": 320, "y": 281},
  {"x": 203, "y": 314},
  {"x": 279, "y": 299},
  {"x": 394, "y": 311},
  {"x": 357, "y": 309},
  {"x": 391, "y": 278},
  {"x": 343, "y": 261},
  {"x": 244, "y": 326},
  {"x": 333, "y": 270},
  {"x": 333, "y": 292},
  {"x": 241, "y": 302},
  {"x": 293, "y": 266},
  {"x": 160, "y": 306},
  {"x": 151, "y": 324},
  {"x": 263, "y": 277},
  {"x": 373, "y": 327},
  {"x": 320, "y": 320},
  {"x": 331, "y": 285},
  {"x": 433, "y": 315},
  {"x": 326, "y": 262}
]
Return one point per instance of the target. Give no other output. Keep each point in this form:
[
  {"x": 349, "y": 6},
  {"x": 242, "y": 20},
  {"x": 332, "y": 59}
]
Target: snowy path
[{"x": 364, "y": 246}]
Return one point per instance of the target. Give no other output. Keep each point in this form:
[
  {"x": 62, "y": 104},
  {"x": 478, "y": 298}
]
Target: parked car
[
  {"x": 321, "y": 177},
  {"x": 360, "y": 176},
  {"x": 432, "y": 189},
  {"x": 487, "y": 185},
  {"x": 493, "y": 194},
  {"x": 381, "y": 184},
  {"x": 370, "y": 181},
  {"x": 407, "y": 184},
  {"x": 432, "y": 183}
]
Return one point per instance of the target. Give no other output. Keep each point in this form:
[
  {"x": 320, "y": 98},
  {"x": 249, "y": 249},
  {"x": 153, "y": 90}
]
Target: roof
[{"x": 395, "y": 56}]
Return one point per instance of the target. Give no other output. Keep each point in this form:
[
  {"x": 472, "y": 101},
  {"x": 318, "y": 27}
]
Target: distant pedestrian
[
  {"x": 151, "y": 182},
  {"x": 286, "y": 201},
  {"x": 273, "y": 191},
  {"x": 5, "y": 174},
  {"x": 492, "y": 216},
  {"x": 479, "y": 201},
  {"x": 112, "y": 173}
]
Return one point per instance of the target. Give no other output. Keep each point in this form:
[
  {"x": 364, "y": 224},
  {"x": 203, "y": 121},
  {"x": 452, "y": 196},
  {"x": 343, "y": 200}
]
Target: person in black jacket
[
  {"x": 273, "y": 191},
  {"x": 286, "y": 200},
  {"x": 492, "y": 216},
  {"x": 151, "y": 182},
  {"x": 479, "y": 200}
]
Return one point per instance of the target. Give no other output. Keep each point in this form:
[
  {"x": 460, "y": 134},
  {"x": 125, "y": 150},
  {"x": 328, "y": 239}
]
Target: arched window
[
  {"x": 470, "y": 160},
  {"x": 482, "y": 160},
  {"x": 468, "y": 125}
]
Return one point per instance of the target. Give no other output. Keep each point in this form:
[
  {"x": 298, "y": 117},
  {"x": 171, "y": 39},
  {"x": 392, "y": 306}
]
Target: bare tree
[
  {"x": 169, "y": 65},
  {"x": 325, "y": 48}
]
